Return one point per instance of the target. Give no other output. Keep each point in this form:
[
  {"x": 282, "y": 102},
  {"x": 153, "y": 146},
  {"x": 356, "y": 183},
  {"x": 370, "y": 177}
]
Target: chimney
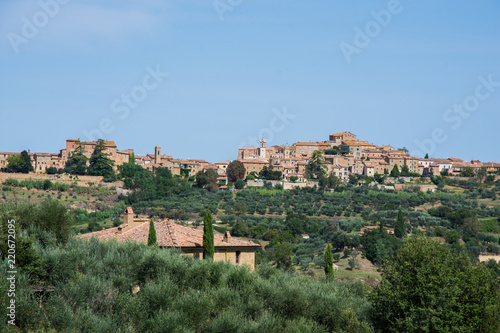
[
  {"x": 128, "y": 217},
  {"x": 227, "y": 237}
]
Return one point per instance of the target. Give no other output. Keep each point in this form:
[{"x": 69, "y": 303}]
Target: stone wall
[
  {"x": 286, "y": 185},
  {"x": 64, "y": 178},
  {"x": 246, "y": 255}
]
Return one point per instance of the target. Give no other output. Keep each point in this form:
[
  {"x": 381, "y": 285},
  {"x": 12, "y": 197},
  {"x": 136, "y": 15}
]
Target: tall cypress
[
  {"x": 329, "y": 273},
  {"x": 208, "y": 236},
  {"x": 399, "y": 228},
  {"x": 152, "y": 234}
]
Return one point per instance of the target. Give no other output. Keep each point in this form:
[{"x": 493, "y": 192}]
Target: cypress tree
[
  {"x": 208, "y": 236},
  {"x": 152, "y": 234},
  {"x": 329, "y": 273},
  {"x": 399, "y": 228}
]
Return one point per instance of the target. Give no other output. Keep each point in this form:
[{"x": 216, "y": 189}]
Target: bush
[
  {"x": 11, "y": 182},
  {"x": 51, "y": 170},
  {"x": 239, "y": 184}
]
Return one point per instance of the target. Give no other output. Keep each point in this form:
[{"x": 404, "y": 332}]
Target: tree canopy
[
  {"x": 20, "y": 163},
  {"x": 235, "y": 170},
  {"x": 399, "y": 229},
  {"x": 426, "y": 288},
  {"x": 77, "y": 162},
  {"x": 316, "y": 166},
  {"x": 207, "y": 179},
  {"x": 100, "y": 164}
]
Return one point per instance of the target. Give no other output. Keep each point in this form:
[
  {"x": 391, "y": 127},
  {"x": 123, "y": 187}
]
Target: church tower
[
  {"x": 157, "y": 154},
  {"x": 262, "y": 148}
]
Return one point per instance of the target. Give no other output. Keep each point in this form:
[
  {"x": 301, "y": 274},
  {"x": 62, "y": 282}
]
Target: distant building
[{"x": 172, "y": 235}]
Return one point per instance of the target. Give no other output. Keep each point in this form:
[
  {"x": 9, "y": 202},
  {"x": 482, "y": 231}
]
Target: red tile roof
[{"x": 168, "y": 234}]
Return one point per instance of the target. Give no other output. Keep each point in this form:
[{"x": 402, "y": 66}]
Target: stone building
[{"x": 172, "y": 235}]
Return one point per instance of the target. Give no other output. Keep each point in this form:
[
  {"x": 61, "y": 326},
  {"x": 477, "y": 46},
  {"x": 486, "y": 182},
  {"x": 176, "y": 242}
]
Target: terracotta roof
[
  {"x": 358, "y": 144},
  {"x": 440, "y": 160},
  {"x": 254, "y": 161},
  {"x": 343, "y": 133},
  {"x": 168, "y": 234},
  {"x": 311, "y": 144}
]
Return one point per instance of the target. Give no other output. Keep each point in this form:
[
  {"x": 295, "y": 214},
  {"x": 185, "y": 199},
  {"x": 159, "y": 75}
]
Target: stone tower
[
  {"x": 262, "y": 148},
  {"x": 157, "y": 154}
]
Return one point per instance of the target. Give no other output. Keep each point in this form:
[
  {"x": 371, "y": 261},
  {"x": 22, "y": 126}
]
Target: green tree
[
  {"x": 20, "y": 163},
  {"x": 293, "y": 179},
  {"x": 471, "y": 225},
  {"x": 481, "y": 174},
  {"x": 296, "y": 223},
  {"x": 426, "y": 288},
  {"x": 399, "y": 229},
  {"x": 316, "y": 167},
  {"x": 379, "y": 178},
  {"x": 100, "y": 164},
  {"x": 405, "y": 172},
  {"x": 131, "y": 158},
  {"x": 207, "y": 179},
  {"x": 268, "y": 173},
  {"x": 51, "y": 170},
  {"x": 395, "y": 171},
  {"x": 331, "y": 181},
  {"x": 152, "y": 234},
  {"x": 208, "y": 236},
  {"x": 53, "y": 216},
  {"x": 283, "y": 255},
  {"x": 239, "y": 184},
  {"x": 467, "y": 172},
  {"x": 235, "y": 170},
  {"x": 328, "y": 265},
  {"x": 77, "y": 162},
  {"x": 250, "y": 177},
  {"x": 426, "y": 156}
]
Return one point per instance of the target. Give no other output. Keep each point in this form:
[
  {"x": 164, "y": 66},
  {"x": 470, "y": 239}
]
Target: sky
[{"x": 201, "y": 78}]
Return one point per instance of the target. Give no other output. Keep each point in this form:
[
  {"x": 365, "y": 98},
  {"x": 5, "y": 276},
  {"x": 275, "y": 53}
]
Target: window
[{"x": 238, "y": 257}]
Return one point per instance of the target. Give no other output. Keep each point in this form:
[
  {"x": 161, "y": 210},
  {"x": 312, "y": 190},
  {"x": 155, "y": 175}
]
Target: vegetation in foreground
[
  {"x": 94, "y": 281},
  {"x": 112, "y": 287}
]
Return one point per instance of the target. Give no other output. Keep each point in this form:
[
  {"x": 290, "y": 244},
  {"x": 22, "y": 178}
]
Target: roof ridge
[
  {"x": 132, "y": 228},
  {"x": 170, "y": 233}
]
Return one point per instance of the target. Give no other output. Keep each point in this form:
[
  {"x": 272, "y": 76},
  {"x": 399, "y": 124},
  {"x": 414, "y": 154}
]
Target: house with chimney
[{"x": 188, "y": 240}]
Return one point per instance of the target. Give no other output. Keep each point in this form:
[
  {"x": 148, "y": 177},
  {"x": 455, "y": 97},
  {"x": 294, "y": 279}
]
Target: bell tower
[
  {"x": 157, "y": 154},
  {"x": 262, "y": 148}
]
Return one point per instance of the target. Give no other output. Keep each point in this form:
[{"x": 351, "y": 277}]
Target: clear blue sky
[{"x": 234, "y": 64}]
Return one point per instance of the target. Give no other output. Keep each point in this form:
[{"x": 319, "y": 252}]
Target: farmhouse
[{"x": 173, "y": 235}]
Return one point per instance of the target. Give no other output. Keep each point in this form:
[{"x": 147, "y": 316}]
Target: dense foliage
[
  {"x": 100, "y": 164},
  {"x": 426, "y": 288},
  {"x": 19, "y": 163},
  {"x": 112, "y": 287}
]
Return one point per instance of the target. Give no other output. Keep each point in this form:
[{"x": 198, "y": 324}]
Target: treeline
[
  {"x": 47, "y": 184},
  {"x": 270, "y": 215},
  {"x": 112, "y": 287}
]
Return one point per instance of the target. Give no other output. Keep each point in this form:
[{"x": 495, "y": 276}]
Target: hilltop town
[{"x": 343, "y": 154}]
